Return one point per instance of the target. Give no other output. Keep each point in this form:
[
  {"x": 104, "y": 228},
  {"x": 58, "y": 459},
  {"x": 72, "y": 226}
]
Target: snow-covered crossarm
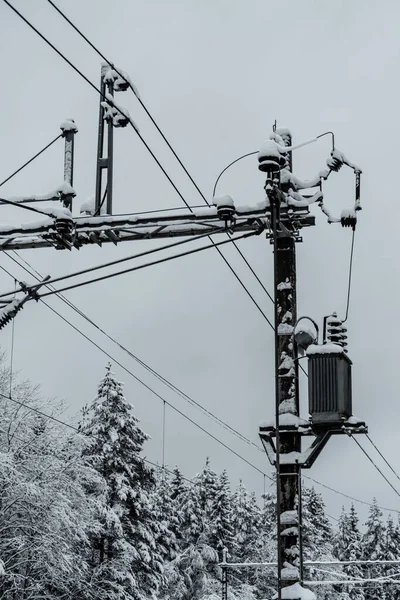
[
  {"x": 85, "y": 229},
  {"x": 57, "y": 194}
]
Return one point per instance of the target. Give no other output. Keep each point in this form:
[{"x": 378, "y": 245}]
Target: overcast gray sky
[{"x": 215, "y": 74}]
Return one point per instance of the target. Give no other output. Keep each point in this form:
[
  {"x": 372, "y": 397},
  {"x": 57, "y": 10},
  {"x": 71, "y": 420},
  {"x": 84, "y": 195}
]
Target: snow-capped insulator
[
  {"x": 225, "y": 209},
  {"x": 121, "y": 85},
  {"x": 335, "y": 161},
  {"x": 270, "y": 157},
  {"x": 335, "y": 331},
  {"x": 348, "y": 218},
  {"x": 120, "y": 120},
  {"x": 64, "y": 227}
]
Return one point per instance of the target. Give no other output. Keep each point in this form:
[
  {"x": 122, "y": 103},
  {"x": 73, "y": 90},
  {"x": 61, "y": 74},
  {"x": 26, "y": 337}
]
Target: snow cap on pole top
[{"x": 68, "y": 125}]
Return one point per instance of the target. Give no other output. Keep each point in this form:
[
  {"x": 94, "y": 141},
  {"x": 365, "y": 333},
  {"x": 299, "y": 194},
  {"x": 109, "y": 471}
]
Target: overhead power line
[
  {"x": 331, "y": 489},
  {"x": 28, "y": 162},
  {"x": 149, "y": 264},
  {"x": 382, "y": 456},
  {"x": 168, "y": 383},
  {"x": 175, "y": 154},
  {"x": 376, "y": 466},
  {"x": 140, "y": 137},
  {"x": 150, "y": 389}
]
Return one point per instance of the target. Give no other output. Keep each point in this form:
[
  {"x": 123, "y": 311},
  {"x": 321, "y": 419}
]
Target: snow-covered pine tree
[
  {"x": 246, "y": 525},
  {"x": 265, "y": 578},
  {"x": 197, "y": 560},
  {"x": 392, "y": 552},
  {"x": 220, "y": 532},
  {"x": 373, "y": 548},
  {"x": 126, "y": 562},
  {"x": 178, "y": 485},
  {"x": 347, "y": 546},
  {"x": 317, "y": 536}
]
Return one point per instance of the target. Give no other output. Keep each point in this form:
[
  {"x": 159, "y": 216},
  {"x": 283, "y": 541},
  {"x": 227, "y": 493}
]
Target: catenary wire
[
  {"x": 121, "y": 260},
  {"x": 175, "y": 154},
  {"x": 101, "y": 95},
  {"x": 149, "y": 264},
  {"x": 149, "y": 389},
  {"x": 171, "y": 386},
  {"x": 331, "y": 489},
  {"x": 376, "y": 466},
  {"x": 382, "y": 456},
  {"x": 24, "y": 206},
  {"x": 349, "y": 497},
  {"x": 166, "y": 174},
  {"x": 30, "y": 160},
  {"x": 147, "y": 147}
]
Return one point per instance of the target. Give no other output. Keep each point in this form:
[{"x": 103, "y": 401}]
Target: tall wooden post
[{"x": 286, "y": 398}]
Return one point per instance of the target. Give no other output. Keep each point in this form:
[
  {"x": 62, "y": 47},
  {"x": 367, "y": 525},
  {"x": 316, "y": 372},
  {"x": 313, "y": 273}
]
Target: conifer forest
[{"x": 83, "y": 516}]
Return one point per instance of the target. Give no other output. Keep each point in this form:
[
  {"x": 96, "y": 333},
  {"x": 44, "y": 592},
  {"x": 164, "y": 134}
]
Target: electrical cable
[
  {"x": 101, "y": 95},
  {"x": 171, "y": 386},
  {"x": 144, "y": 266},
  {"x": 147, "y": 147},
  {"x": 350, "y": 276},
  {"x": 123, "y": 348},
  {"x": 60, "y": 12},
  {"x": 382, "y": 456},
  {"x": 121, "y": 260},
  {"x": 376, "y": 466},
  {"x": 20, "y": 205},
  {"x": 230, "y": 164},
  {"x": 31, "y": 160},
  {"x": 148, "y": 388}
]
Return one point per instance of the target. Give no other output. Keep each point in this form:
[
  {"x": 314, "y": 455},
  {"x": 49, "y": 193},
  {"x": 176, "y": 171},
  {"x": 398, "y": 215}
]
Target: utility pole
[
  {"x": 286, "y": 386},
  {"x": 282, "y": 216},
  {"x": 329, "y": 367}
]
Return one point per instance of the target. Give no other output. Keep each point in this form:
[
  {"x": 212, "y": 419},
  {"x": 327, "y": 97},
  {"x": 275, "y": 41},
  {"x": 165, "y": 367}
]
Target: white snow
[
  {"x": 69, "y": 125},
  {"x": 289, "y": 572},
  {"x": 285, "y": 329},
  {"x": 348, "y": 213},
  {"x": 289, "y": 517},
  {"x": 306, "y": 326},
  {"x": 271, "y": 148},
  {"x": 219, "y": 201},
  {"x": 295, "y": 592},
  {"x": 88, "y": 207},
  {"x": 324, "y": 349},
  {"x": 286, "y": 419},
  {"x": 287, "y": 406},
  {"x": 111, "y": 101},
  {"x": 284, "y": 286}
]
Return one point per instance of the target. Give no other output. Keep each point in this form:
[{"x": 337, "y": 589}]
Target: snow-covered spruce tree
[
  {"x": 178, "y": 485},
  {"x": 347, "y": 546},
  {"x": 196, "y": 563},
  {"x": 317, "y": 537},
  {"x": 392, "y": 552},
  {"x": 44, "y": 511},
  {"x": 221, "y": 533},
  {"x": 125, "y": 561},
  {"x": 265, "y": 578},
  {"x": 373, "y": 548}
]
